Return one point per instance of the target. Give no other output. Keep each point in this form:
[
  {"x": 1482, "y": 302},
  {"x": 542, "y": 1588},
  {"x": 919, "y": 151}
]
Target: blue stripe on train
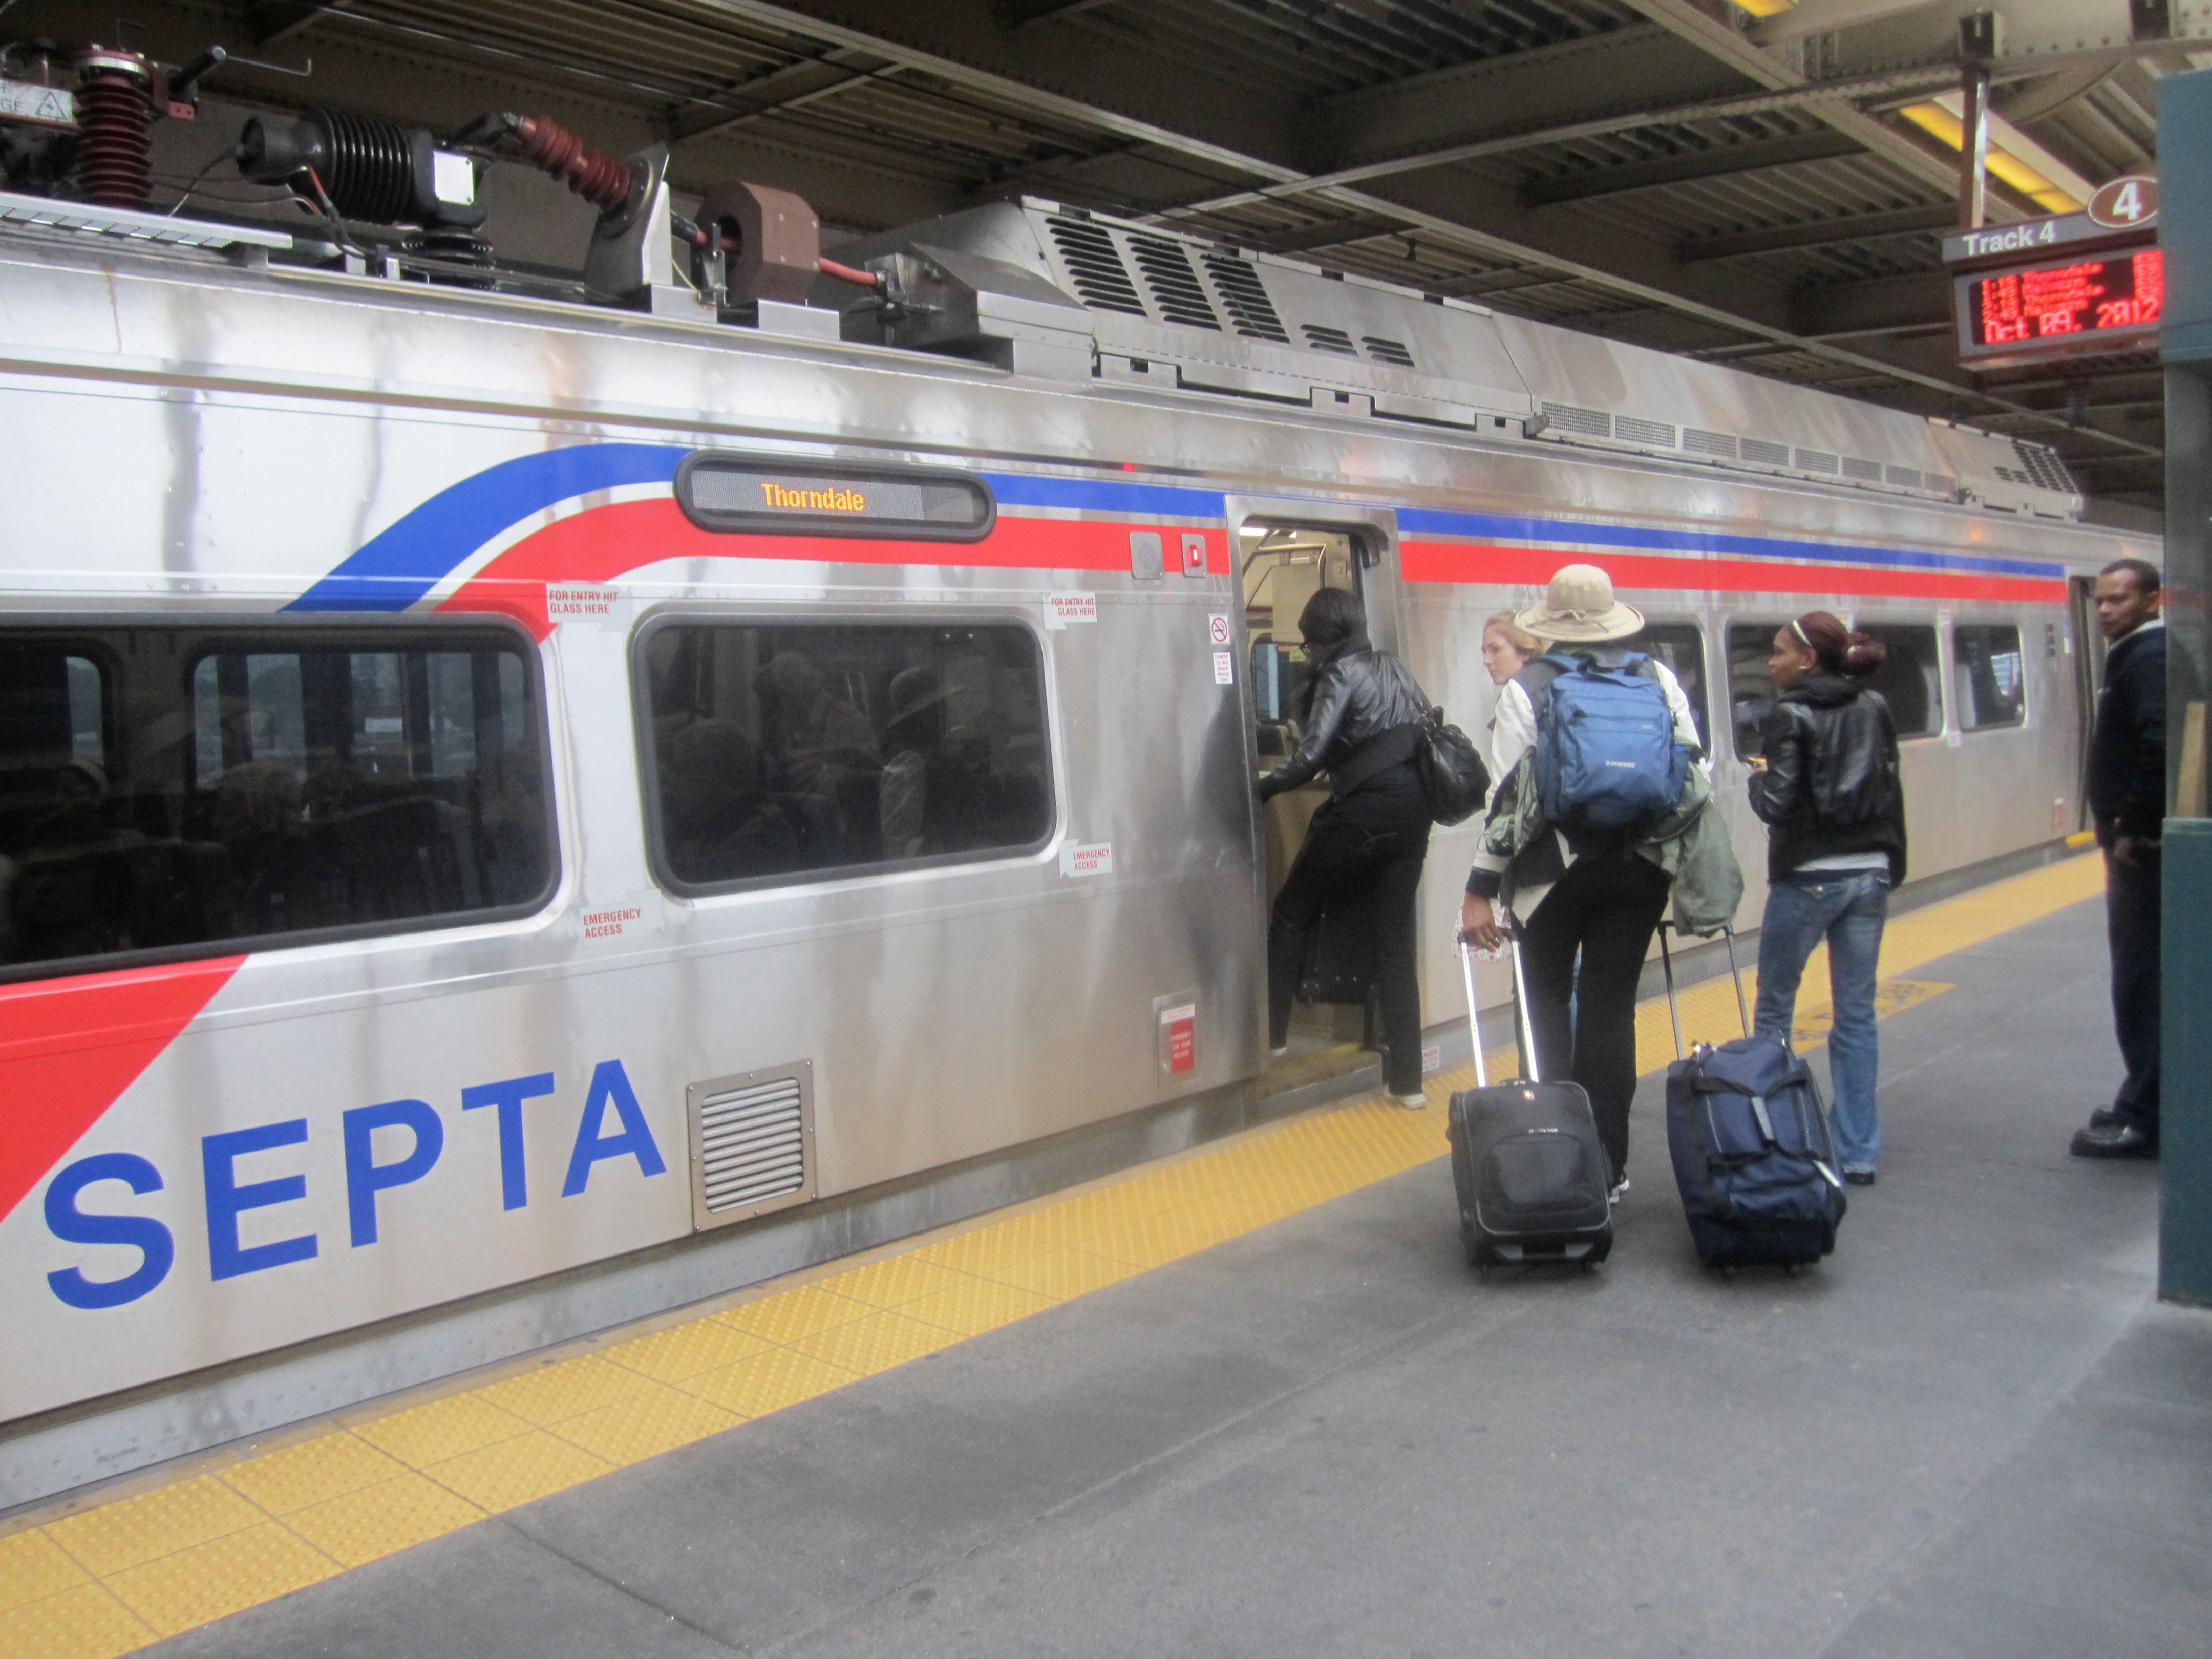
[
  {"x": 407, "y": 559},
  {"x": 1420, "y": 521},
  {"x": 1106, "y": 496}
]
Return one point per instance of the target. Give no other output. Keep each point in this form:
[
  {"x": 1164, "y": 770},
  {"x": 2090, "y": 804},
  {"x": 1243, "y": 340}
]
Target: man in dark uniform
[{"x": 2127, "y": 800}]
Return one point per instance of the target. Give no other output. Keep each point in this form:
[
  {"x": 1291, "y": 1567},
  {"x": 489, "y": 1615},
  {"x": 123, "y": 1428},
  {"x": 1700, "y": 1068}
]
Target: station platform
[{"x": 1252, "y": 1400}]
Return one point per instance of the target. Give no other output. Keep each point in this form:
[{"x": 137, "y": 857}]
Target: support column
[{"x": 2184, "y": 145}]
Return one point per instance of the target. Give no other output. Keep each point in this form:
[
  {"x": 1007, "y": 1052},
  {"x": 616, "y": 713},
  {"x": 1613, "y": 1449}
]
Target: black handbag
[{"x": 1453, "y": 776}]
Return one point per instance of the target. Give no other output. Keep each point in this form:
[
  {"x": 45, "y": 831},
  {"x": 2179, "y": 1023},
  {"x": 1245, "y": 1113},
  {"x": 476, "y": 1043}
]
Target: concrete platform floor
[{"x": 1971, "y": 1433}]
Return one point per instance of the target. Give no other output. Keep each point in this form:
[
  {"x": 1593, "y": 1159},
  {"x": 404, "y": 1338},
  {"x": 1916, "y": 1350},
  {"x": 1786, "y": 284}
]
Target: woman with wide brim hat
[
  {"x": 1578, "y": 608},
  {"x": 1588, "y": 904}
]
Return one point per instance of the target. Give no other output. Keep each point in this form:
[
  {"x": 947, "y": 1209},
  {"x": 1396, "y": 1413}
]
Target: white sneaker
[
  {"x": 1413, "y": 1103},
  {"x": 1283, "y": 1052},
  {"x": 1613, "y": 1197}
]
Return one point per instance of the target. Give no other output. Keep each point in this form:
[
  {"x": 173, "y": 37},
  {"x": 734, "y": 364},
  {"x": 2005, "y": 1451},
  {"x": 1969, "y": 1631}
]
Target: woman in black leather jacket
[
  {"x": 1359, "y": 713},
  {"x": 1827, "y": 788}
]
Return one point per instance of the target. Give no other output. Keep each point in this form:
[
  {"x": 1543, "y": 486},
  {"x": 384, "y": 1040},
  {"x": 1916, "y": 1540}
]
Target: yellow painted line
[
  {"x": 239, "y": 1528},
  {"x": 2081, "y": 838}
]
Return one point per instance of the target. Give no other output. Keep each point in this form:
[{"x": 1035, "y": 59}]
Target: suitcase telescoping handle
[
  {"x": 1667, "y": 966},
  {"x": 1473, "y": 1013},
  {"x": 1524, "y": 1034}
]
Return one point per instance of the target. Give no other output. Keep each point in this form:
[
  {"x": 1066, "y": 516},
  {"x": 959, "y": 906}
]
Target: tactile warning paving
[{"x": 113, "y": 1578}]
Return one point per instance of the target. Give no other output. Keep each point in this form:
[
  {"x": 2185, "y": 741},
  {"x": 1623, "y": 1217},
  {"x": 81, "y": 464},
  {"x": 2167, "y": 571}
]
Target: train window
[
  {"x": 1681, "y": 647},
  {"x": 777, "y": 751},
  {"x": 1909, "y": 678},
  {"x": 167, "y": 788},
  {"x": 1751, "y": 687},
  {"x": 1988, "y": 674}
]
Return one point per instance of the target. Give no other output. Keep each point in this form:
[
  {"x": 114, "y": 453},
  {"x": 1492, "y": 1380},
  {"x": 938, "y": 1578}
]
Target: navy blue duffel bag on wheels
[
  {"x": 1750, "y": 1143},
  {"x": 1752, "y": 1155}
]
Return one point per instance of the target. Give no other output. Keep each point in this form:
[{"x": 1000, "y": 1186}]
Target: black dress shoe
[
  {"x": 1859, "y": 1177},
  {"x": 2113, "y": 1140},
  {"x": 2103, "y": 1118}
]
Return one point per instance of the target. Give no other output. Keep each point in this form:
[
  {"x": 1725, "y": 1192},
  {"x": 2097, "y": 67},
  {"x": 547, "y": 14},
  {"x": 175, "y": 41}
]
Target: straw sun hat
[{"x": 1579, "y": 607}]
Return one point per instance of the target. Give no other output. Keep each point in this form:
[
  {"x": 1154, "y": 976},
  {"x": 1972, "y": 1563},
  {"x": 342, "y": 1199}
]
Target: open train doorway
[{"x": 1281, "y": 567}]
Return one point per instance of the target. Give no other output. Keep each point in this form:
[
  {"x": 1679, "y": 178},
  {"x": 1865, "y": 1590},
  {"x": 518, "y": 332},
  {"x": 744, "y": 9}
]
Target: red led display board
[{"x": 2056, "y": 308}]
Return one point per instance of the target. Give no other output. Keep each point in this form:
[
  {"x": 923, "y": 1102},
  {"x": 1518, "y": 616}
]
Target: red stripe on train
[
  {"x": 1463, "y": 562},
  {"x": 69, "y": 1048},
  {"x": 605, "y": 542}
]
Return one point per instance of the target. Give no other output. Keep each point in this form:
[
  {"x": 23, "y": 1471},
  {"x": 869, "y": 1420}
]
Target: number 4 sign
[{"x": 2126, "y": 203}]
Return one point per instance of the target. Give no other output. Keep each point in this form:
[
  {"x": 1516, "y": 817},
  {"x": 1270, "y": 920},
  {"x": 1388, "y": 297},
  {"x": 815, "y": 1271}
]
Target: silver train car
[{"x": 518, "y": 812}]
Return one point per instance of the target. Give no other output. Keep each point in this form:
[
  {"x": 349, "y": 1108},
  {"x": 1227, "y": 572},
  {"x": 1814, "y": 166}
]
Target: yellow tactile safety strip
[{"x": 244, "y": 1530}]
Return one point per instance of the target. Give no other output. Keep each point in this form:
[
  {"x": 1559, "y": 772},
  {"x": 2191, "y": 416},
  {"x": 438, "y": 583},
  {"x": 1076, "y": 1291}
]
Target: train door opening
[
  {"x": 1281, "y": 567},
  {"x": 2089, "y": 672}
]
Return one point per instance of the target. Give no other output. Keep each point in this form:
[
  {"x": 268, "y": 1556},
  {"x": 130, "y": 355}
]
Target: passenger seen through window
[
  {"x": 169, "y": 787},
  {"x": 778, "y": 750}
]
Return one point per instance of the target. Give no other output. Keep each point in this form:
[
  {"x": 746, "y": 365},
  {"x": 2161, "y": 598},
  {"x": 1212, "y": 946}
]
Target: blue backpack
[{"x": 1606, "y": 757}]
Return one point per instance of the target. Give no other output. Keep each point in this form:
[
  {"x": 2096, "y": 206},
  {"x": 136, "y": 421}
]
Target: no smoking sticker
[{"x": 1217, "y": 628}]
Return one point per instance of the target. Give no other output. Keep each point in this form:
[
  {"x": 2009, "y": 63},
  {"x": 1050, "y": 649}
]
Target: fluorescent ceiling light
[
  {"x": 1764, "y": 8},
  {"x": 2015, "y": 157}
]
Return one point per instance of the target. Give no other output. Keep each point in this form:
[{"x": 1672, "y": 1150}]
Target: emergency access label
[
  {"x": 1067, "y": 609},
  {"x": 610, "y": 924},
  {"x": 1087, "y": 859},
  {"x": 579, "y": 602}
]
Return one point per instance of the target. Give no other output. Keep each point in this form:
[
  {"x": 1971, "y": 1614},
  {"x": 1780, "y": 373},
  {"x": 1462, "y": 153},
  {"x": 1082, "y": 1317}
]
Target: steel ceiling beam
[
  {"x": 1819, "y": 233},
  {"x": 272, "y": 20},
  {"x": 791, "y": 86},
  {"x": 1821, "y": 145},
  {"x": 1026, "y": 14}
]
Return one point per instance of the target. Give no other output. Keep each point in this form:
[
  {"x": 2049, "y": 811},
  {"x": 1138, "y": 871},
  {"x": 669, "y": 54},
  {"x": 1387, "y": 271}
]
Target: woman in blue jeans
[{"x": 1827, "y": 788}]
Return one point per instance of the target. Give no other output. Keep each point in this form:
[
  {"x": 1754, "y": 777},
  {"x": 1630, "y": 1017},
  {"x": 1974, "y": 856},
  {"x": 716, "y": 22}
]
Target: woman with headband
[{"x": 1828, "y": 791}]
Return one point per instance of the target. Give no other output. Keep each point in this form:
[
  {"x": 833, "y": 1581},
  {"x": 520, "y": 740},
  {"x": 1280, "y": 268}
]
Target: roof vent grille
[
  {"x": 2044, "y": 466},
  {"x": 1938, "y": 484},
  {"x": 752, "y": 1142},
  {"x": 1590, "y": 422},
  {"x": 1905, "y": 477},
  {"x": 1709, "y": 443},
  {"x": 1764, "y": 453},
  {"x": 1865, "y": 472},
  {"x": 1251, "y": 313},
  {"x": 1392, "y": 352},
  {"x": 1094, "y": 264},
  {"x": 1629, "y": 429},
  {"x": 1174, "y": 284},
  {"x": 1322, "y": 338},
  {"x": 1818, "y": 460}
]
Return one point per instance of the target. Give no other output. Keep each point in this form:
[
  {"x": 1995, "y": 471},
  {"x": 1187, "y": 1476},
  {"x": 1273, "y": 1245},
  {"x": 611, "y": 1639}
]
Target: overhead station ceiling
[{"x": 1769, "y": 191}]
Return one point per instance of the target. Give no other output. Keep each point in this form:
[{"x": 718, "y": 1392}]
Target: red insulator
[
  {"x": 591, "y": 173},
  {"x": 115, "y": 112}
]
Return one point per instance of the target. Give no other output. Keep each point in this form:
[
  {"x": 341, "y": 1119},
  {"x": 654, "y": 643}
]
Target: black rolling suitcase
[
  {"x": 1530, "y": 1170},
  {"x": 1749, "y": 1139}
]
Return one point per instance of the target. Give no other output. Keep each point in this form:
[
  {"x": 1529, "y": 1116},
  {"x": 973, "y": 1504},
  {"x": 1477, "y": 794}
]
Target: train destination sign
[
  {"x": 750, "y": 495},
  {"x": 2108, "y": 302}
]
